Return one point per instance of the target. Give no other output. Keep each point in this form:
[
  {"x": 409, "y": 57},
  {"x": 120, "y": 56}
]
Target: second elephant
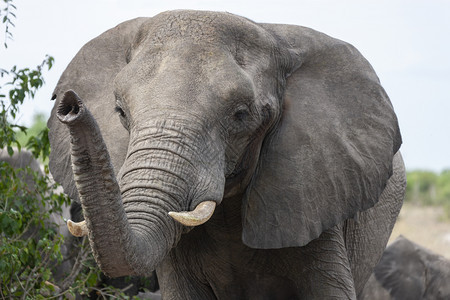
[{"x": 409, "y": 271}]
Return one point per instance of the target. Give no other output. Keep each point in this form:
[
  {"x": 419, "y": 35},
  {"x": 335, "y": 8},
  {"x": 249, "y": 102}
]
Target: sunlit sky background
[{"x": 407, "y": 42}]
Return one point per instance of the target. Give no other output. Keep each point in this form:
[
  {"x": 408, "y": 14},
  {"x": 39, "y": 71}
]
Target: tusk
[
  {"x": 77, "y": 229},
  {"x": 198, "y": 216}
]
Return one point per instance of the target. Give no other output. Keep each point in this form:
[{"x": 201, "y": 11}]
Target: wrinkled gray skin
[
  {"x": 287, "y": 129},
  {"x": 409, "y": 271}
]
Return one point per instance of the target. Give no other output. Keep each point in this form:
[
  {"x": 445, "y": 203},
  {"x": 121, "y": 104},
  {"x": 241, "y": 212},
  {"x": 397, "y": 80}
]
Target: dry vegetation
[{"x": 426, "y": 226}]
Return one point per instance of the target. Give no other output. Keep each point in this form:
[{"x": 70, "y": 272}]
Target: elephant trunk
[{"x": 118, "y": 247}]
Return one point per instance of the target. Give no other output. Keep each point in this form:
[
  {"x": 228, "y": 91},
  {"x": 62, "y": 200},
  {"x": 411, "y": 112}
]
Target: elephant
[
  {"x": 409, "y": 271},
  {"x": 21, "y": 159},
  {"x": 239, "y": 160}
]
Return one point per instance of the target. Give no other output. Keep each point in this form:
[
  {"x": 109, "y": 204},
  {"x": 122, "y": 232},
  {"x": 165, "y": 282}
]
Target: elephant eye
[{"x": 241, "y": 114}]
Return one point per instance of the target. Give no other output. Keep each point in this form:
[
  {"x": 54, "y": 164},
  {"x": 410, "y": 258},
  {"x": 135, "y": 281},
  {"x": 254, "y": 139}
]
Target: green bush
[
  {"x": 429, "y": 188},
  {"x": 421, "y": 187},
  {"x": 30, "y": 246}
]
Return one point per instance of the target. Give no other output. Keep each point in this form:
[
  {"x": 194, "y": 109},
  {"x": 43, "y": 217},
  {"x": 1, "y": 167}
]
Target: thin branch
[
  {"x": 7, "y": 21},
  {"x": 23, "y": 288},
  {"x": 77, "y": 267}
]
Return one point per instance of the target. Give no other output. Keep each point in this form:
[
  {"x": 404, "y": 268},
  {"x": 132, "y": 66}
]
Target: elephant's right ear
[
  {"x": 90, "y": 74},
  {"x": 331, "y": 154}
]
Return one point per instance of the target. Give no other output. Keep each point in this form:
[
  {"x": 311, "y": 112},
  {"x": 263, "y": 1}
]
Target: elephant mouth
[
  {"x": 234, "y": 180},
  {"x": 238, "y": 171}
]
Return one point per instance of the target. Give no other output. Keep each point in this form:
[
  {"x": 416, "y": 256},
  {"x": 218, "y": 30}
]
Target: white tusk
[
  {"x": 77, "y": 229},
  {"x": 198, "y": 216}
]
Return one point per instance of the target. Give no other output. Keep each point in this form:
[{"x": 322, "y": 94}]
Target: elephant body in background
[
  {"x": 240, "y": 160},
  {"x": 21, "y": 160},
  {"x": 409, "y": 271}
]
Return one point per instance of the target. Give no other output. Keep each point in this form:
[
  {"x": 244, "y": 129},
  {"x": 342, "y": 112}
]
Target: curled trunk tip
[{"x": 70, "y": 107}]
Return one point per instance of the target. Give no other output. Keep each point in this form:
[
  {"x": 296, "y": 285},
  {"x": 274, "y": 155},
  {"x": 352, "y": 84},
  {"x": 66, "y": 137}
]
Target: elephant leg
[
  {"x": 178, "y": 280},
  {"x": 366, "y": 236},
  {"x": 325, "y": 271}
]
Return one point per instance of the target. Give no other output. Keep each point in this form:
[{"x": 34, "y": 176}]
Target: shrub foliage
[
  {"x": 30, "y": 245},
  {"x": 429, "y": 188}
]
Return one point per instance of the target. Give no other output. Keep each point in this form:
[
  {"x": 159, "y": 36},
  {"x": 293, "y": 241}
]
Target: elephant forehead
[
  {"x": 200, "y": 26},
  {"x": 186, "y": 71}
]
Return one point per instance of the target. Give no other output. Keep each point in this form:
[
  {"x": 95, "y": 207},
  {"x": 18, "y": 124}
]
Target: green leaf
[
  {"x": 10, "y": 150},
  {"x": 92, "y": 279}
]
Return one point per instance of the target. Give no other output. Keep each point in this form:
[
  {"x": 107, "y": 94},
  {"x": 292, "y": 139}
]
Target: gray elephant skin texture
[
  {"x": 409, "y": 271},
  {"x": 284, "y": 130}
]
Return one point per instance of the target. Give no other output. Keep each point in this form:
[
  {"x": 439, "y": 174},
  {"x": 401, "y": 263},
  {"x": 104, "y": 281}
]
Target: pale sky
[{"x": 407, "y": 43}]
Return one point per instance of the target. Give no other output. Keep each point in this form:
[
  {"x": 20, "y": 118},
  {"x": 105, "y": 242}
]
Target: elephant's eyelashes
[
  {"x": 123, "y": 117},
  {"x": 120, "y": 111}
]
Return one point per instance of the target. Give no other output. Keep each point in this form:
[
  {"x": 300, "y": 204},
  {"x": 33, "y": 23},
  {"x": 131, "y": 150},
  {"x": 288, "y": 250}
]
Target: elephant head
[{"x": 196, "y": 107}]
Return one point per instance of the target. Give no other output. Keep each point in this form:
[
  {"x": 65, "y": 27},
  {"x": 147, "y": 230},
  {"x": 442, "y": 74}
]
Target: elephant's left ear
[
  {"x": 331, "y": 154},
  {"x": 90, "y": 74}
]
